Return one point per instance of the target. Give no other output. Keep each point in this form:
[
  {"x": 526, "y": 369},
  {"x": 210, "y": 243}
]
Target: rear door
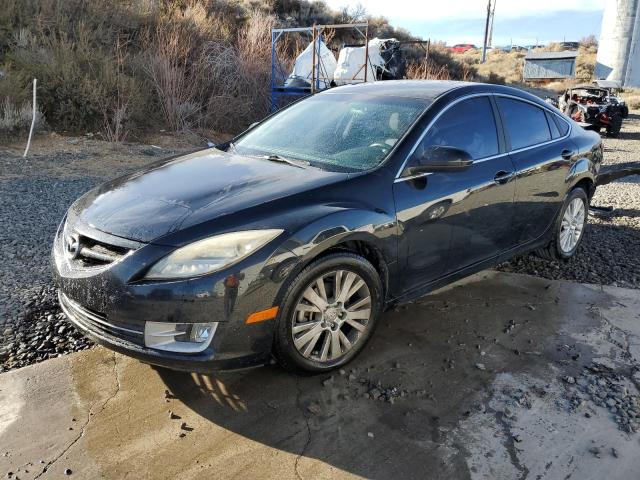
[{"x": 542, "y": 151}]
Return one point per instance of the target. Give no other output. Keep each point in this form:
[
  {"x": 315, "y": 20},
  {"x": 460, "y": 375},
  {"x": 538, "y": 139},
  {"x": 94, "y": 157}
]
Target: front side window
[
  {"x": 341, "y": 132},
  {"x": 468, "y": 125},
  {"x": 525, "y": 124}
]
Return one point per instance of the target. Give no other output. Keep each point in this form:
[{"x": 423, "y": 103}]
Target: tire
[
  {"x": 613, "y": 130},
  {"x": 625, "y": 112},
  {"x": 291, "y": 348},
  {"x": 557, "y": 248}
]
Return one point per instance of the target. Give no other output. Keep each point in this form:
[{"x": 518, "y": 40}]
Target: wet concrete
[{"x": 480, "y": 375}]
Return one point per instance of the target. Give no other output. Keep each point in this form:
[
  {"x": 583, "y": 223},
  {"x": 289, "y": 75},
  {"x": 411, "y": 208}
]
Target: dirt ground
[{"x": 534, "y": 386}]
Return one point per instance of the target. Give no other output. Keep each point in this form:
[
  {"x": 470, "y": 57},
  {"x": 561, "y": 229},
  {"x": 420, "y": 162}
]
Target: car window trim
[
  {"x": 434, "y": 120},
  {"x": 552, "y": 123},
  {"x": 548, "y": 142}
]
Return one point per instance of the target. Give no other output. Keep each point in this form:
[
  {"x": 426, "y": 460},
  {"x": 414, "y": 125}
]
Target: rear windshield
[{"x": 342, "y": 132}]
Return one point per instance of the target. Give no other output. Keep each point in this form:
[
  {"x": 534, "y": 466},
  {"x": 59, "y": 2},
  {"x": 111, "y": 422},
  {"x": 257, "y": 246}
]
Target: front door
[{"x": 451, "y": 220}]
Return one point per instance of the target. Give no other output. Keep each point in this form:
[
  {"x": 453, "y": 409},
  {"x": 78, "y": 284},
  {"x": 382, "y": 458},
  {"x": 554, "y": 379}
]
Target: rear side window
[
  {"x": 526, "y": 124},
  {"x": 468, "y": 125}
]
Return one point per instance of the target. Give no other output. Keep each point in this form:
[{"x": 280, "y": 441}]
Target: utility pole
[
  {"x": 486, "y": 32},
  {"x": 493, "y": 15}
]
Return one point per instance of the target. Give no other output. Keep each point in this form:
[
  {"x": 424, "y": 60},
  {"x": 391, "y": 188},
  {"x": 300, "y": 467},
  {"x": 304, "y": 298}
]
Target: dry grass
[
  {"x": 17, "y": 118},
  {"x": 505, "y": 65},
  {"x": 125, "y": 68},
  {"x": 632, "y": 97},
  {"x": 172, "y": 73}
]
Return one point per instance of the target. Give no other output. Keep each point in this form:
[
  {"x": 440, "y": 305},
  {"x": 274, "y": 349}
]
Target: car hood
[{"x": 185, "y": 191}]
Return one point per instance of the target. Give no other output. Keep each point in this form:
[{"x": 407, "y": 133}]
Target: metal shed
[{"x": 540, "y": 66}]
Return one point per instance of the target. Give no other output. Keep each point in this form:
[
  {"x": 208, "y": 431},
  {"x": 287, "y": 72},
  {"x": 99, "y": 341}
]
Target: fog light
[
  {"x": 200, "y": 332},
  {"x": 179, "y": 337}
]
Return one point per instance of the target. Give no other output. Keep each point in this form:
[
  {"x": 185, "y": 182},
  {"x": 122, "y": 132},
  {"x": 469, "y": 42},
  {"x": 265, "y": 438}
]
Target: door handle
[
  {"x": 502, "y": 177},
  {"x": 567, "y": 154}
]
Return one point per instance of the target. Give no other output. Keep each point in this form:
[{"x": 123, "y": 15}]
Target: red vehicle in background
[{"x": 462, "y": 47}]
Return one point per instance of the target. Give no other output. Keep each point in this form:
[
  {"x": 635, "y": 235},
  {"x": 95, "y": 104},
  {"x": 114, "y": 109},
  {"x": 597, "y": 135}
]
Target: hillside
[{"x": 122, "y": 68}]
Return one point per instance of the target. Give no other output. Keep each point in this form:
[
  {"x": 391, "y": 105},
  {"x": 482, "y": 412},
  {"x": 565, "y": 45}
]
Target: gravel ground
[{"x": 35, "y": 193}]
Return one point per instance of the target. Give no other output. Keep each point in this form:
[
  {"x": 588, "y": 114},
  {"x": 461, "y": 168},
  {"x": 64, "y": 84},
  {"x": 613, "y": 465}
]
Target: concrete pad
[{"x": 479, "y": 365}]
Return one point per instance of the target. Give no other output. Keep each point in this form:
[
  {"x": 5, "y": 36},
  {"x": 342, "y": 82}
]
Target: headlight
[{"x": 211, "y": 254}]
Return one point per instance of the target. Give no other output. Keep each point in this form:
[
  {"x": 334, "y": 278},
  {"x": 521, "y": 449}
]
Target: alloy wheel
[
  {"x": 331, "y": 316},
  {"x": 572, "y": 225}
]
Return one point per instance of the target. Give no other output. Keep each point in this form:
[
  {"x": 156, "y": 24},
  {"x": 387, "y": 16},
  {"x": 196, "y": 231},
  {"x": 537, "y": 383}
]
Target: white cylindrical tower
[{"x": 618, "y": 51}]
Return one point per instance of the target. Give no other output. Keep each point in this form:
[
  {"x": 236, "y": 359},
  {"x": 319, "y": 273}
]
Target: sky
[{"x": 516, "y": 22}]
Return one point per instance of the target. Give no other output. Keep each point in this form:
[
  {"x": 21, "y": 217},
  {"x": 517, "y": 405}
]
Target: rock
[
  {"x": 615, "y": 453},
  {"x": 67, "y": 471},
  {"x": 173, "y": 416},
  {"x": 314, "y": 408},
  {"x": 151, "y": 152},
  {"x": 569, "y": 379},
  {"x": 595, "y": 451},
  {"x": 370, "y": 434},
  {"x": 480, "y": 366},
  {"x": 327, "y": 382}
]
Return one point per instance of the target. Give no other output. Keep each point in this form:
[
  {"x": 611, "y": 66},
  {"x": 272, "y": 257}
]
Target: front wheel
[
  {"x": 328, "y": 313},
  {"x": 569, "y": 227}
]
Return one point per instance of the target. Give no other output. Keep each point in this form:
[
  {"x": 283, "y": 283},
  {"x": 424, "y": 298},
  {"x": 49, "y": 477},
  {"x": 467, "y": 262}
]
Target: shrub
[
  {"x": 124, "y": 66},
  {"x": 173, "y": 73},
  {"x": 15, "y": 119}
]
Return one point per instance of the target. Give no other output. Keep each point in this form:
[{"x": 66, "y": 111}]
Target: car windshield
[{"x": 341, "y": 132}]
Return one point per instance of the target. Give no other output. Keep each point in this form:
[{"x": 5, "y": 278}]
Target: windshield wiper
[{"x": 279, "y": 159}]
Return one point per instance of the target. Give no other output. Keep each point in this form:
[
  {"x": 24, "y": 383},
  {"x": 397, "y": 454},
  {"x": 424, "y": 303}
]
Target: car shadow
[{"x": 387, "y": 413}]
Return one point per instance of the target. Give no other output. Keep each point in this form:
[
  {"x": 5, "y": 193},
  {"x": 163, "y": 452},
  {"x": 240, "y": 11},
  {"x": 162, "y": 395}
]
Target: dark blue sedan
[{"x": 292, "y": 239}]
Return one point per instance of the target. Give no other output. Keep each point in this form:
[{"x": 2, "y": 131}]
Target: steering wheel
[{"x": 382, "y": 146}]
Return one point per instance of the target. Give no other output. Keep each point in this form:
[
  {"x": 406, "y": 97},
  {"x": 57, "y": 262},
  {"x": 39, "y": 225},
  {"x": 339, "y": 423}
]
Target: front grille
[
  {"x": 86, "y": 252},
  {"x": 97, "y": 323}
]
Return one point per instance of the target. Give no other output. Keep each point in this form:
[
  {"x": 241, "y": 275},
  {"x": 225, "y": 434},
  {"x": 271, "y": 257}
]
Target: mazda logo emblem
[{"x": 72, "y": 246}]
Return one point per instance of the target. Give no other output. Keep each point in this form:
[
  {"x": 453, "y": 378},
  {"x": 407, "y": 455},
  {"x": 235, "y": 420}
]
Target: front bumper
[{"x": 111, "y": 305}]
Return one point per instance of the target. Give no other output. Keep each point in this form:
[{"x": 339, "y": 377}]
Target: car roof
[
  {"x": 422, "y": 89},
  {"x": 586, "y": 86},
  {"x": 428, "y": 90}
]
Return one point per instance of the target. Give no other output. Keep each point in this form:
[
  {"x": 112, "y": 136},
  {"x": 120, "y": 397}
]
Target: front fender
[{"x": 376, "y": 228}]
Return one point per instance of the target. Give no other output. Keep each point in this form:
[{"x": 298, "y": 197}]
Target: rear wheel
[
  {"x": 328, "y": 313},
  {"x": 613, "y": 130},
  {"x": 569, "y": 227}
]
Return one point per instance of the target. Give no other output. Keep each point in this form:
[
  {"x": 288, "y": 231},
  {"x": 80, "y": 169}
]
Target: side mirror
[{"x": 441, "y": 158}]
